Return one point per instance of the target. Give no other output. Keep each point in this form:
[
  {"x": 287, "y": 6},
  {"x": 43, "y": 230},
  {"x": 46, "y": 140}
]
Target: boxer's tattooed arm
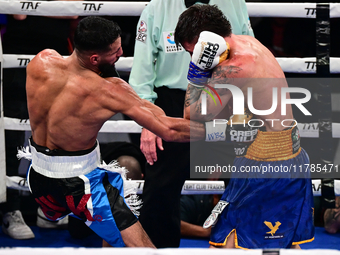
[
  {"x": 220, "y": 75},
  {"x": 224, "y": 75},
  {"x": 192, "y": 95}
]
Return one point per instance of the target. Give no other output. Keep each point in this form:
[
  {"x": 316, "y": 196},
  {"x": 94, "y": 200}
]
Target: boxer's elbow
[
  {"x": 175, "y": 130},
  {"x": 177, "y": 136},
  {"x": 169, "y": 135}
]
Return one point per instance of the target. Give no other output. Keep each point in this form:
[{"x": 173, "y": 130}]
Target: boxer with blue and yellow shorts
[{"x": 271, "y": 209}]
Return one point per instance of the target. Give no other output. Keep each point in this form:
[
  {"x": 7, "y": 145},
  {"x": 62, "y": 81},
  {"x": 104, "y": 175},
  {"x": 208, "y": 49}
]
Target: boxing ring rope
[
  {"x": 64, "y": 8},
  {"x": 87, "y": 8},
  {"x": 193, "y": 187},
  {"x": 307, "y": 130},
  {"x": 288, "y": 65}
]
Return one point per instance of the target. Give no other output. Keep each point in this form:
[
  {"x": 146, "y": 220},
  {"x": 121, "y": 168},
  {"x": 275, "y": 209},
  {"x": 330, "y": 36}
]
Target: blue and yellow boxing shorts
[{"x": 267, "y": 212}]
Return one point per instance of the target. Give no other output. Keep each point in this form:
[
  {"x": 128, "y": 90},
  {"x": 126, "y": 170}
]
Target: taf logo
[
  {"x": 24, "y": 122},
  {"x": 29, "y": 5},
  {"x": 310, "y": 65},
  {"x": 92, "y": 6},
  {"x": 311, "y": 126},
  {"x": 238, "y": 100},
  {"x": 23, "y": 61},
  {"x": 310, "y": 11}
]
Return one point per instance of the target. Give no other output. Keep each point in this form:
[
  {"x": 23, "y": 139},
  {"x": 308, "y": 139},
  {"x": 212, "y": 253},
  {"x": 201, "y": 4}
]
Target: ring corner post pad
[
  {"x": 324, "y": 97},
  {"x": 2, "y": 138}
]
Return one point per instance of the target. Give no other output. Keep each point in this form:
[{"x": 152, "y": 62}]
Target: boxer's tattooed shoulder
[
  {"x": 193, "y": 94},
  {"x": 224, "y": 74}
]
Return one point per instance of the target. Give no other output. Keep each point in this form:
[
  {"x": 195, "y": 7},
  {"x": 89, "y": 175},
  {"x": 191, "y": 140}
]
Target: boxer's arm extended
[
  {"x": 120, "y": 97},
  {"x": 171, "y": 129}
]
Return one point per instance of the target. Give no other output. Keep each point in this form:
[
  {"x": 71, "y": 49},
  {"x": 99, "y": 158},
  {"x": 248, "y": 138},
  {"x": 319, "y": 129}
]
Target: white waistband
[{"x": 65, "y": 166}]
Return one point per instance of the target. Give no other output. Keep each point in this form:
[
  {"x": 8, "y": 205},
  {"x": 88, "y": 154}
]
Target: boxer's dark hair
[
  {"x": 198, "y": 18},
  {"x": 95, "y": 34}
]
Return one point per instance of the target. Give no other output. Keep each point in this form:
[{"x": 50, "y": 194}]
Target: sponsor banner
[
  {"x": 193, "y": 187},
  {"x": 206, "y": 187}
]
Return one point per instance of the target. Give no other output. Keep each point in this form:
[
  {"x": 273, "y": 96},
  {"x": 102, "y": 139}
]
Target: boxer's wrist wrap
[
  {"x": 198, "y": 77},
  {"x": 215, "y": 131}
]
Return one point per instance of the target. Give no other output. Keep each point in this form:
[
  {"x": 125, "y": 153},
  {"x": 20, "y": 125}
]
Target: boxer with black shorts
[{"x": 68, "y": 102}]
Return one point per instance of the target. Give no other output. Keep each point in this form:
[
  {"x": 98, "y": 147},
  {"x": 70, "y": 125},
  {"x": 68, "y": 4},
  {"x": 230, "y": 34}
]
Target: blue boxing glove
[{"x": 210, "y": 50}]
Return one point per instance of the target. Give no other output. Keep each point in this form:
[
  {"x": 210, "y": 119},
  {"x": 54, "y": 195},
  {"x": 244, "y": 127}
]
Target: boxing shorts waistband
[
  {"x": 64, "y": 164},
  {"x": 275, "y": 146}
]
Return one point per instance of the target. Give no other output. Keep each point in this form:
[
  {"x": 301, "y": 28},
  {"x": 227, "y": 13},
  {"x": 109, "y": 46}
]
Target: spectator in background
[
  {"x": 195, "y": 209},
  {"x": 25, "y": 35},
  {"x": 159, "y": 75},
  {"x": 332, "y": 218},
  {"x": 128, "y": 155}
]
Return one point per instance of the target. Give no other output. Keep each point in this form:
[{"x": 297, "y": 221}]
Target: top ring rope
[
  {"x": 14, "y": 61},
  {"x": 65, "y": 8},
  {"x": 288, "y": 65}
]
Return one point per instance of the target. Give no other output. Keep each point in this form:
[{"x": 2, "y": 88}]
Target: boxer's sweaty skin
[{"x": 68, "y": 104}]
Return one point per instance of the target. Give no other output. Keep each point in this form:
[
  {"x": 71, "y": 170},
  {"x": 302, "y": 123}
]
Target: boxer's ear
[{"x": 94, "y": 59}]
